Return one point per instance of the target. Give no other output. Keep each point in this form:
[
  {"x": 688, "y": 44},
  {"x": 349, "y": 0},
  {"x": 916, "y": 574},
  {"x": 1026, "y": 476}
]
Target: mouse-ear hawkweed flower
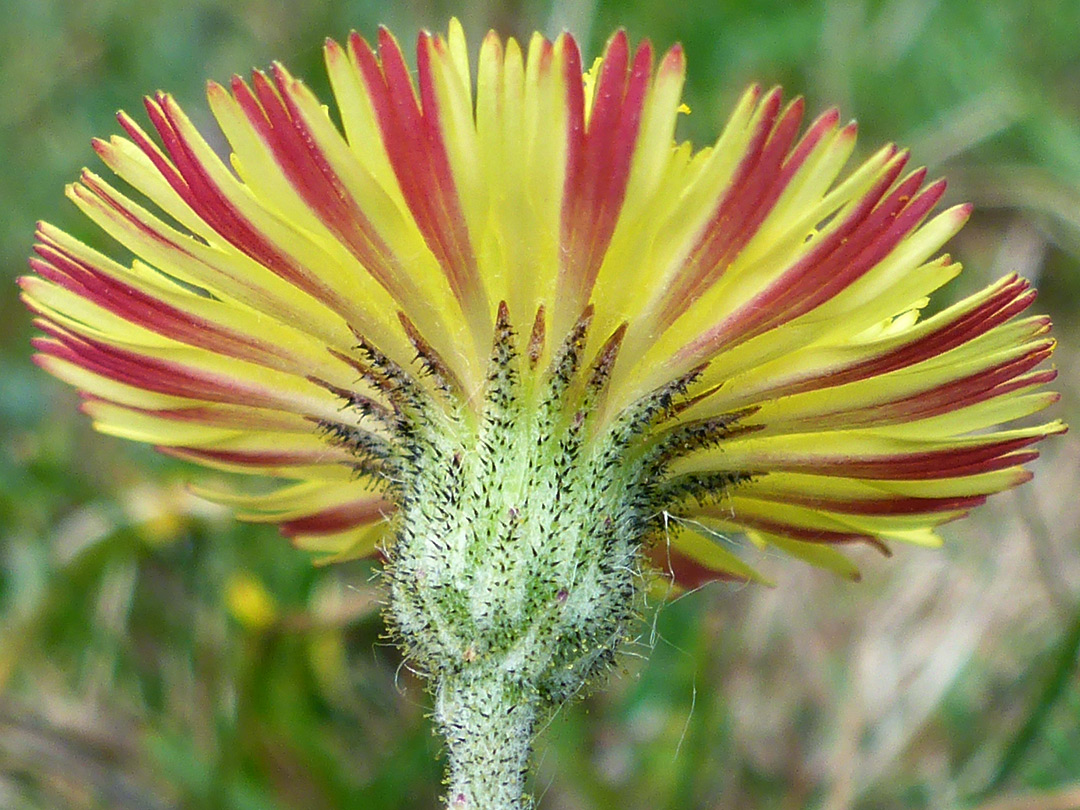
[{"x": 511, "y": 334}]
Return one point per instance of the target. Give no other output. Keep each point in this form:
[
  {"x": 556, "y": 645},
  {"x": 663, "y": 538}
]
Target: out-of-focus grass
[{"x": 155, "y": 654}]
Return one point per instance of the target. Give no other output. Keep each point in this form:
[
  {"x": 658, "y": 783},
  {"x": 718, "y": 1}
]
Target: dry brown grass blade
[{"x": 1066, "y": 799}]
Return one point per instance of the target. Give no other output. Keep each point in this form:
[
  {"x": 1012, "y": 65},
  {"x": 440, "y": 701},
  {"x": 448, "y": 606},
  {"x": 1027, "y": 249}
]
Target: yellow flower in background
[
  {"x": 249, "y": 602},
  {"x": 505, "y": 329}
]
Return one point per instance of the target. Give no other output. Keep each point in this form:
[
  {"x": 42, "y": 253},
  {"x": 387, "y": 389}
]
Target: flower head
[{"x": 284, "y": 311}]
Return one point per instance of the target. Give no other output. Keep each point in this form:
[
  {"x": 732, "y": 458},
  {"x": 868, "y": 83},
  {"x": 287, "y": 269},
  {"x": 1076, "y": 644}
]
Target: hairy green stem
[{"x": 488, "y": 721}]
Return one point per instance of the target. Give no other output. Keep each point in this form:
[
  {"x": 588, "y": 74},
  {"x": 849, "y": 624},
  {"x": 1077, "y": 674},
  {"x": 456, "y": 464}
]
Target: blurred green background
[{"x": 155, "y": 654}]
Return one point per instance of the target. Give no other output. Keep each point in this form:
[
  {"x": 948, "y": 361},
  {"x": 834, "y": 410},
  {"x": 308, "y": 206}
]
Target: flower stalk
[{"x": 488, "y": 721}]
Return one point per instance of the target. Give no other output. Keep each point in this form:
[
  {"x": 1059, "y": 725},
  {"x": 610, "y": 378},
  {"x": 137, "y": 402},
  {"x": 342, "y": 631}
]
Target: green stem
[{"x": 488, "y": 721}]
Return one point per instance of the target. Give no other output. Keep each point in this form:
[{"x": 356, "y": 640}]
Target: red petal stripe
[
  {"x": 755, "y": 187},
  {"x": 94, "y": 192},
  {"x": 878, "y": 234},
  {"x": 986, "y": 384},
  {"x": 261, "y": 458},
  {"x": 897, "y": 505},
  {"x": 1013, "y": 298},
  {"x": 193, "y": 183},
  {"x": 247, "y": 418},
  {"x": 152, "y": 374},
  {"x": 144, "y": 309},
  {"x": 763, "y": 187},
  {"x": 274, "y": 115},
  {"x": 339, "y": 518},
  {"x": 413, "y": 138},
  {"x": 103, "y": 194},
  {"x": 837, "y": 259},
  {"x": 687, "y": 572},
  {"x": 599, "y": 156},
  {"x": 804, "y": 533},
  {"x": 928, "y": 465},
  {"x": 157, "y": 157}
]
